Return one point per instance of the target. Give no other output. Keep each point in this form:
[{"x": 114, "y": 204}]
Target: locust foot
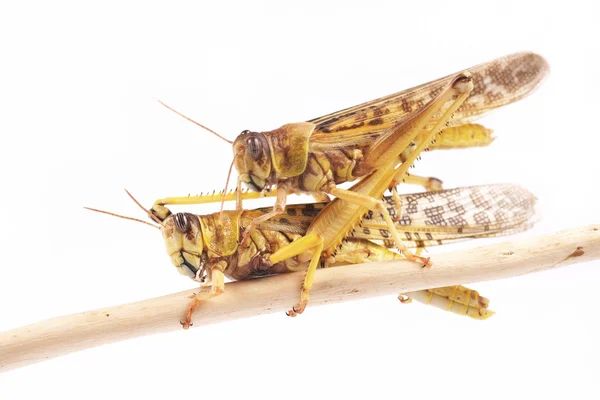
[
  {"x": 425, "y": 260},
  {"x": 301, "y": 305},
  {"x": 196, "y": 300},
  {"x": 404, "y": 299},
  {"x": 297, "y": 309},
  {"x": 187, "y": 322}
]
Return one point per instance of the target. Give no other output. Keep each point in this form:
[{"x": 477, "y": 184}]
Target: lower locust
[{"x": 206, "y": 247}]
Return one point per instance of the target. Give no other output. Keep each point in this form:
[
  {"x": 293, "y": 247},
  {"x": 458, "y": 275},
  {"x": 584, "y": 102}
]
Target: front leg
[
  {"x": 217, "y": 287},
  {"x": 278, "y": 209}
]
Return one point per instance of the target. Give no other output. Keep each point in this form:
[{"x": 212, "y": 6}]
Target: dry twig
[{"x": 66, "y": 334}]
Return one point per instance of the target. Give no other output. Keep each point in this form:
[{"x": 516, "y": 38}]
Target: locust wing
[
  {"x": 433, "y": 218},
  {"x": 496, "y": 83}
]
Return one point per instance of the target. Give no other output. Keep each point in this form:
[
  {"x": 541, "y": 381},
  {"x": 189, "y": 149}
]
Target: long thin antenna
[
  {"x": 226, "y": 186},
  {"x": 154, "y": 217},
  {"x": 122, "y": 216},
  {"x": 194, "y": 122}
]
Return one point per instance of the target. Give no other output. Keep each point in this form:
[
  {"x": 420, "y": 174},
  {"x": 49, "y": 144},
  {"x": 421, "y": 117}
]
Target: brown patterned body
[
  {"x": 328, "y": 166},
  {"x": 428, "y": 219}
]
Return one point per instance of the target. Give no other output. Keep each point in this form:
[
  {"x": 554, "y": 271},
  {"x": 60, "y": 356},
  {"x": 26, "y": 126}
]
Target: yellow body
[{"x": 429, "y": 219}]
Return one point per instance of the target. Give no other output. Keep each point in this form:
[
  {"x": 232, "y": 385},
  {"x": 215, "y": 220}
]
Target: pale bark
[{"x": 66, "y": 334}]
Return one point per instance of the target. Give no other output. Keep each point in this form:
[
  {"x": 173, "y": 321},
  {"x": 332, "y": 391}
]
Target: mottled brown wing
[
  {"x": 461, "y": 213},
  {"x": 496, "y": 83}
]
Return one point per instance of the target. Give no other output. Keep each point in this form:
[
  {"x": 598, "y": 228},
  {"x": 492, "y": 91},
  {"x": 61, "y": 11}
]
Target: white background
[{"x": 78, "y": 124}]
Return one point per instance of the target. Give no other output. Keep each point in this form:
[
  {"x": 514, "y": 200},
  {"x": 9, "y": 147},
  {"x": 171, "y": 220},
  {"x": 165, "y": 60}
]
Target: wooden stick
[{"x": 67, "y": 334}]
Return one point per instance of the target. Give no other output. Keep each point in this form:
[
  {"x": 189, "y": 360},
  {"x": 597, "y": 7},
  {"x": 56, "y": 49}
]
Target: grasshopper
[
  {"x": 314, "y": 157},
  {"x": 205, "y": 249}
]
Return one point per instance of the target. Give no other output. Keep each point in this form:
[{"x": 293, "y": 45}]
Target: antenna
[
  {"x": 194, "y": 122},
  {"x": 154, "y": 217},
  {"x": 122, "y": 216}
]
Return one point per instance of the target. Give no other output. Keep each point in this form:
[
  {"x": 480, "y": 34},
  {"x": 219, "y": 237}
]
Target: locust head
[
  {"x": 263, "y": 158},
  {"x": 182, "y": 234},
  {"x": 252, "y": 159}
]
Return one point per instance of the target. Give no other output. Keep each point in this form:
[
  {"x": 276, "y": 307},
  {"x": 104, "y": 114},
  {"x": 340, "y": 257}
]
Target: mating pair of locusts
[{"x": 375, "y": 142}]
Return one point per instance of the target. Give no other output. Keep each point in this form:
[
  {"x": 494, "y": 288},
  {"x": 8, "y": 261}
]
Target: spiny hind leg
[
  {"x": 313, "y": 243},
  {"x": 379, "y": 206},
  {"x": 464, "y": 86},
  {"x": 162, "y": 212},
  {"x": 396, "y": 140},
  {"x": 217, "y": 288},
  {"x": 426, "y": 138},
  {"x": 428, "y": 183},
  {"x": 455, "y": 137}
]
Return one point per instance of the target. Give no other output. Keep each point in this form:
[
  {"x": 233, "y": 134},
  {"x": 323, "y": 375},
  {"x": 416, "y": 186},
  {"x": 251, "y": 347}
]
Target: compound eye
[
  {"x": 245, "y": 132},
  {"x": 254, "y": 147},
  {"x": 182, "y": 222}
]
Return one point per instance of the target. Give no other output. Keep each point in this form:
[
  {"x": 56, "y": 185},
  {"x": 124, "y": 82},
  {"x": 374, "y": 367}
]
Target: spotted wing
[
  {"x": 496, "y": 83},
  {"x": 432, "y": 218}
]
